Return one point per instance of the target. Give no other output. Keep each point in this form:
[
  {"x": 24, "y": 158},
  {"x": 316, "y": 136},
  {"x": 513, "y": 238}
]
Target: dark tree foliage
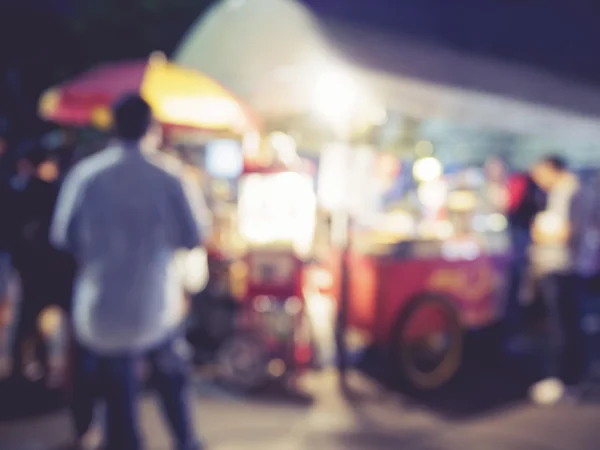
[{"x": 45, "y": 46}]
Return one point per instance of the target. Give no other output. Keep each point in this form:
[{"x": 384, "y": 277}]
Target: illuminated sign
[{"x": 277, "y": 208}]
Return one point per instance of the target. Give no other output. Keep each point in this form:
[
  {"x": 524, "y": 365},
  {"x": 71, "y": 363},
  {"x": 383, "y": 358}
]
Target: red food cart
[{"x": 422, "y": 274}]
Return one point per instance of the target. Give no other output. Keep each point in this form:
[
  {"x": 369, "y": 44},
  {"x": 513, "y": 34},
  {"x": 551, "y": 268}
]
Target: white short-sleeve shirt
[{"x": 124, "y": 218}]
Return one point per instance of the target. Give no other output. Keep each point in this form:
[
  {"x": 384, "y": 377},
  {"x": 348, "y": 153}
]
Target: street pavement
[{"x": 372, "y": 418}]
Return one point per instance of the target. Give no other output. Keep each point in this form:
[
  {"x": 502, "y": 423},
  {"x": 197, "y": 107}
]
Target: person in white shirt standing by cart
[{"x": 125, "y": 219}]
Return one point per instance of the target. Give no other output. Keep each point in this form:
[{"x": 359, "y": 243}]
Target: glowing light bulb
[{"x": 427, "y": 169}]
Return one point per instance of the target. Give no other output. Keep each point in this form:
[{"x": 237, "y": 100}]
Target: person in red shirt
[{"x": 525, "y": 199}]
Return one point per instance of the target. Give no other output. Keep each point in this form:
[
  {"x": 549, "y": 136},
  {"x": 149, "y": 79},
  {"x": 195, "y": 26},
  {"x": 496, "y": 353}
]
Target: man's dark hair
[
  {"x": 557, "y": 162},
  {"x": 132, "y": 117}
]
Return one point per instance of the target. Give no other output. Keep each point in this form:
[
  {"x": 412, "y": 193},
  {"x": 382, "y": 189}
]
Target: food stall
[
  {"x": 276, "y": 216},
  {"x": 332, "y": 85}
]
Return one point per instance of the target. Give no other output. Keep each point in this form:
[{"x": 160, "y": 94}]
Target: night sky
[
  {"x": 560, "y": 36},
  {"x": 59, "y": 6}
]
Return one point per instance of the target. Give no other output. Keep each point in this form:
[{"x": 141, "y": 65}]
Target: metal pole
[
  {"x": 341, "y": 228},
  {"x": 343, "y": 307}
]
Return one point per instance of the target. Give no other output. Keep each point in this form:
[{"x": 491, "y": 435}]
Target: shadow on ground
[
  {"x": 22, "y": 399},
  {"x": 360, "y": 440},
  {"x": 487, "y": 381}
]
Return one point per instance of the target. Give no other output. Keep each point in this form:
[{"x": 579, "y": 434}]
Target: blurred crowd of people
[{"x": 30, "y": 176}]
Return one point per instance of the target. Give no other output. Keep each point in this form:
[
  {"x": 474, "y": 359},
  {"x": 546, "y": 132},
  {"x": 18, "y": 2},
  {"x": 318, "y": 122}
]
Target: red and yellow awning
[{"x": 180, "y": 97}]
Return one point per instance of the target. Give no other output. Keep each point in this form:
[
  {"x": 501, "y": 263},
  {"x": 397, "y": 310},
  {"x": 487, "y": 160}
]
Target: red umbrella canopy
[
  {"x": 180, "y": 97},
  {"x": 95, "y": 90}
]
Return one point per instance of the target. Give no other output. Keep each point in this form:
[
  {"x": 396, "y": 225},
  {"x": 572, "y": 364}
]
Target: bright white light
[
  {"x": 427, "y": 169},
  {"x": 192, "y": 267},
  {"x": 277, "y": 208},
  {"x": 433, "y": 194},
  {"x": 549, "y": 223},
  {"x": 335, "y": 96},
  {"x": 333, "y": 177},
  {"x": 224, "y": 158}
]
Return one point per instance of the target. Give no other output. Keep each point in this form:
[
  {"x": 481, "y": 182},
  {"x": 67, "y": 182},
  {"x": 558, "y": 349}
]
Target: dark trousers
[
  {"x": 520, "y": 243},
  {"x": 565, "y": 352},
  {"x": 590, "y": 309},
  {"x": 115, "y": 381}
]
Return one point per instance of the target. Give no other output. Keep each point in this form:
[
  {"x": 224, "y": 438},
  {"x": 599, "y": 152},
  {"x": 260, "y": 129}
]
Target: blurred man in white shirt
[{"x": 125, "y": 218}]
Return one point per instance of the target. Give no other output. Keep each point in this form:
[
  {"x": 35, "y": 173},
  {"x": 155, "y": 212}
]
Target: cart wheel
[
  {"x": 242, "y": 362},
  {"x": 427, "y": 342}
]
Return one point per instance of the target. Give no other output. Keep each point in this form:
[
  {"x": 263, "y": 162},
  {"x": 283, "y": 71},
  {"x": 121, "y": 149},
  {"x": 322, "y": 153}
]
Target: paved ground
[{"x": 375, "y": 420}]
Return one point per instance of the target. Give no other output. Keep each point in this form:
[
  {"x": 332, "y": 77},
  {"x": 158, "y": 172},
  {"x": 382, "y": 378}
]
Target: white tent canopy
[
  {"x": 249, "y": 46},
  {"x": 269, "y": 51}
]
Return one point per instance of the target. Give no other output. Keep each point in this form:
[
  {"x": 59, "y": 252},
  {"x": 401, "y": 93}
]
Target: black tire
[
  {"x": 250, "y": 375},
  {"x": 404, "y": 366}
]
